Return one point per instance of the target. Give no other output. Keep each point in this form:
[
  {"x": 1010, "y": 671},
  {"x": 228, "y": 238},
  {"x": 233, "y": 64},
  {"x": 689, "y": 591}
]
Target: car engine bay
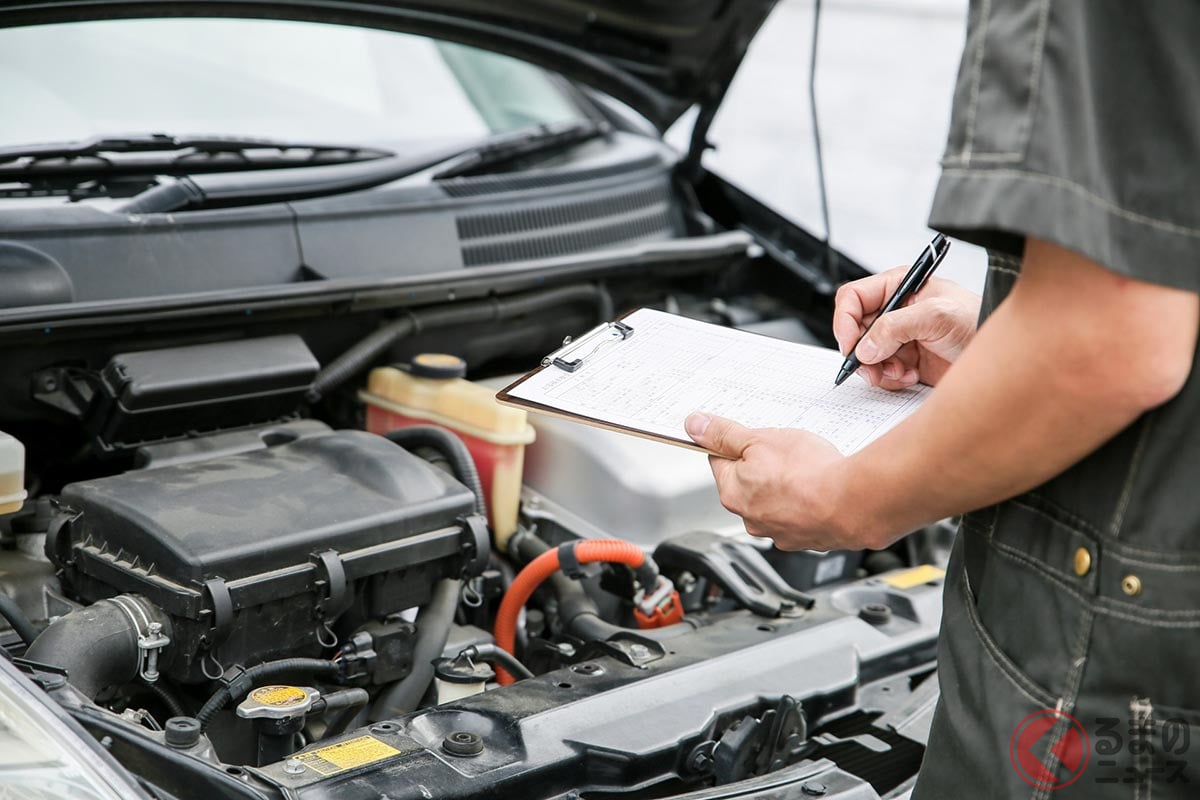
[
  {"x": 279, "y": 542},
  {"x": 265, "y": 532},
  {"x": 244, "y": 593}
]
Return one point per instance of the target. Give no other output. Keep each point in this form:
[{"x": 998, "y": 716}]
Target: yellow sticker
[
  {"x": 915, "y": 576},
  {"x": 347, "y": 755},
  {"x": 279, "y": 696}
]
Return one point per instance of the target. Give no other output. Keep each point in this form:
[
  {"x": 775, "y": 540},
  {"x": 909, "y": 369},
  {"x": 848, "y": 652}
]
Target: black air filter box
[
  {"x": 253, "y": 554},
  {"x": 154, "y": 395}
]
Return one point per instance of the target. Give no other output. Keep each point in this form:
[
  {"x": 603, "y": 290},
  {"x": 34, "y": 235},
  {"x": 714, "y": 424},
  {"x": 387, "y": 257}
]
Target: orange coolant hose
[{"x": 613, "y": 551}]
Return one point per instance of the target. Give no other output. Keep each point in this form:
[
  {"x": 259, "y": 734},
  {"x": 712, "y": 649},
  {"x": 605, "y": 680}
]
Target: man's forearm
[{"x": 1054, "y": 374}]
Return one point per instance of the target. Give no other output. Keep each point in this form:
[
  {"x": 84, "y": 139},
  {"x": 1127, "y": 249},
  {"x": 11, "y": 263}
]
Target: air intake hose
[
  {"x": 449, "y": 447},
  {"x": 98, "y": 645}
]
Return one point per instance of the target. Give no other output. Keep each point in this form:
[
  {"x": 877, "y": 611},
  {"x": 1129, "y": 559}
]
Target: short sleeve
[{"x": 1078, "y": 122}]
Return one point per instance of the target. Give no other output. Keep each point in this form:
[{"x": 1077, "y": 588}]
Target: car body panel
[{"x": 659, "y": 56}]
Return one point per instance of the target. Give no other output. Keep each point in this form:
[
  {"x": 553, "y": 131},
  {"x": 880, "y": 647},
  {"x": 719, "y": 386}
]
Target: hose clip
[{"x": 150, "y": 645}]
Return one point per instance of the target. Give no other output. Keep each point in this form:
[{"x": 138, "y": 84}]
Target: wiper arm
[
  {"x": 246, "y": 188},
  {"x": 531, "y": 141},
  {"x": 186, "y": 152}
]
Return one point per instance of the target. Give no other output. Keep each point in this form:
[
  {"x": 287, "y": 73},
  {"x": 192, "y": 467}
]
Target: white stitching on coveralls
[
  {"x": 1008, "y": 548},
  {"x": 985, "y": 11},
  {"x": 1152, "y": 617},
  {"x": 1066, "y": 703},
  {"x": 1035, "y": 73},
  {"x": 1129, "y": 548},
  {"x": 1139, "y": 562},
  {"x": 1085, "y": 193},
  {"x": 1081, "y": 525},
  {"x": 1026, "y": 686},
  {"x": 1140, "y": 711},
  {"x": 1001, "y": 158},
  {"x": 1135, "y": 463}
]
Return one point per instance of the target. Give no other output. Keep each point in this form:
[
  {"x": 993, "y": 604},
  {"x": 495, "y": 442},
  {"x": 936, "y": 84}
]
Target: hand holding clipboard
[{"x": 645, "y": 372}]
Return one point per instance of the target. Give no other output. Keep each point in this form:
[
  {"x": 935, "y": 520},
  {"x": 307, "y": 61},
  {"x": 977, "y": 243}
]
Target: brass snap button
[
  {"x": 1083, "y": 561},
  {"x": 1131, "y": 585}
]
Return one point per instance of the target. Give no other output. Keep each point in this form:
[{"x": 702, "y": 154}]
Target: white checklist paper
[{"x": 671, "y": 366}]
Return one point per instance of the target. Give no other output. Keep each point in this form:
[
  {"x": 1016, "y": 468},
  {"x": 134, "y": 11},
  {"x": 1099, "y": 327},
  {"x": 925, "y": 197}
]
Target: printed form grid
[{"x": 672, "y": 366}]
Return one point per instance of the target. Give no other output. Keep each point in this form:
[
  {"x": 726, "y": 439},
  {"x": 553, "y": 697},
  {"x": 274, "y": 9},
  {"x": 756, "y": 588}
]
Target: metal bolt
[
  {"x": 151, "y": 673},
  {"x": 813, "y": 788},
  {"x": 639, "y": 651},
  {"x": 293, "y": 766},
  {"x": 463, "y": 743},
  {"x": 700, "y": 761},
  {"x": 875, "y": 613},
  {"x": 587, "y": 668}
]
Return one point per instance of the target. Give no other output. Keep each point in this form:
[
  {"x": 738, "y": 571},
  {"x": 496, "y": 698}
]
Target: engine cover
[{"x": 255, "y": 555}]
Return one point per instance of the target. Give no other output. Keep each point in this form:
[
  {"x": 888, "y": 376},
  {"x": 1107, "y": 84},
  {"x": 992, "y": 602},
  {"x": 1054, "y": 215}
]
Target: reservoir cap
[
  {"x": 277, "y": 702},
  {"x": 441, "y": 366}
]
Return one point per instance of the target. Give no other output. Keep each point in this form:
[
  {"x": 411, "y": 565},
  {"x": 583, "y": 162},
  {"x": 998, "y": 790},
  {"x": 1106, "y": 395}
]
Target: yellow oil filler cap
[{"x": 12, "y": 474}]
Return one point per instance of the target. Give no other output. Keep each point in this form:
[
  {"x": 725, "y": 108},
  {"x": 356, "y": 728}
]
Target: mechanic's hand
[
  {"x": 772, "y": 478},
  {"x": 915, "y": 343}
]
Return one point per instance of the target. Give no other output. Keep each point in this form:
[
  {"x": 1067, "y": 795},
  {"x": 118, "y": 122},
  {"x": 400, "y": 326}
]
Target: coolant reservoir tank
[
  {"x": 433, "y": 391},
  {"x": 12, "y": 474}
]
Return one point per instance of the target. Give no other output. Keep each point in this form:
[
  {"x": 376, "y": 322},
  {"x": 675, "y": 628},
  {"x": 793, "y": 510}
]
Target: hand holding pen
[{"x": 912, "y": 282}]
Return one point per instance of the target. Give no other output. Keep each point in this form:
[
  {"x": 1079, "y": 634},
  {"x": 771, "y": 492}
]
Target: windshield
[{"x": 262, "y": 78}]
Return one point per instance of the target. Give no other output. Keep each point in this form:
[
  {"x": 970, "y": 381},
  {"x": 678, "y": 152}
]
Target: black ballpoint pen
[{"x": 913, "y": 281}]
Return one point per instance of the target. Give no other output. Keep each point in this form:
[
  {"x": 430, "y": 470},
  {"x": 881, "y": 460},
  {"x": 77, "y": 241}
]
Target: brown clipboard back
[{"x": 504, "y": 398}]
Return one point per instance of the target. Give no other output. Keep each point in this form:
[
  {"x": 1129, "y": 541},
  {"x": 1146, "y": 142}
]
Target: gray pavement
[{"x": 885, "y": 76}]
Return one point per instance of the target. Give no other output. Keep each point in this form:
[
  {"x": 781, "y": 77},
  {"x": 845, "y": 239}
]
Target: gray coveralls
[{"x": 1078, "y": 122}]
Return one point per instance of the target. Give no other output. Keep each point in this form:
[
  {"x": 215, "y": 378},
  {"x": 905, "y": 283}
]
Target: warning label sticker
[
  {"x": 915, "y": 576},
  {"x": 347, "y": 755}
]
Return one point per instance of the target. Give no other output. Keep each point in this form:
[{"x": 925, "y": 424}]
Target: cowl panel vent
[{"x": 623, "y": 215}]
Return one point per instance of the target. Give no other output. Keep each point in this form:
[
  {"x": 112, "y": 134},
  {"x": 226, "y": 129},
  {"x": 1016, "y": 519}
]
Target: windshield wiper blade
[
  {"x": 505, "y": 148},
  {"x": 250, "y": 187},
  {"x": 185, "y": 151}
]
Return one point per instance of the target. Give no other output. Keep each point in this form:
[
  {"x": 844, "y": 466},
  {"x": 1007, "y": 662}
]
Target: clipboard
[
  {"x": 572, "y": 357},
  {"x": 642, "y": 373}
]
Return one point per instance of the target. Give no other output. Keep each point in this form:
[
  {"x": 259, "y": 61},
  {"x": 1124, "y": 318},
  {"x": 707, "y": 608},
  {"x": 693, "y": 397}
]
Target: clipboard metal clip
[{"x": 570, "y": 358}]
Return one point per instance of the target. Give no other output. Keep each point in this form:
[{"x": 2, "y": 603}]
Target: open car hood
[{"x": 659, "y": 56}]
